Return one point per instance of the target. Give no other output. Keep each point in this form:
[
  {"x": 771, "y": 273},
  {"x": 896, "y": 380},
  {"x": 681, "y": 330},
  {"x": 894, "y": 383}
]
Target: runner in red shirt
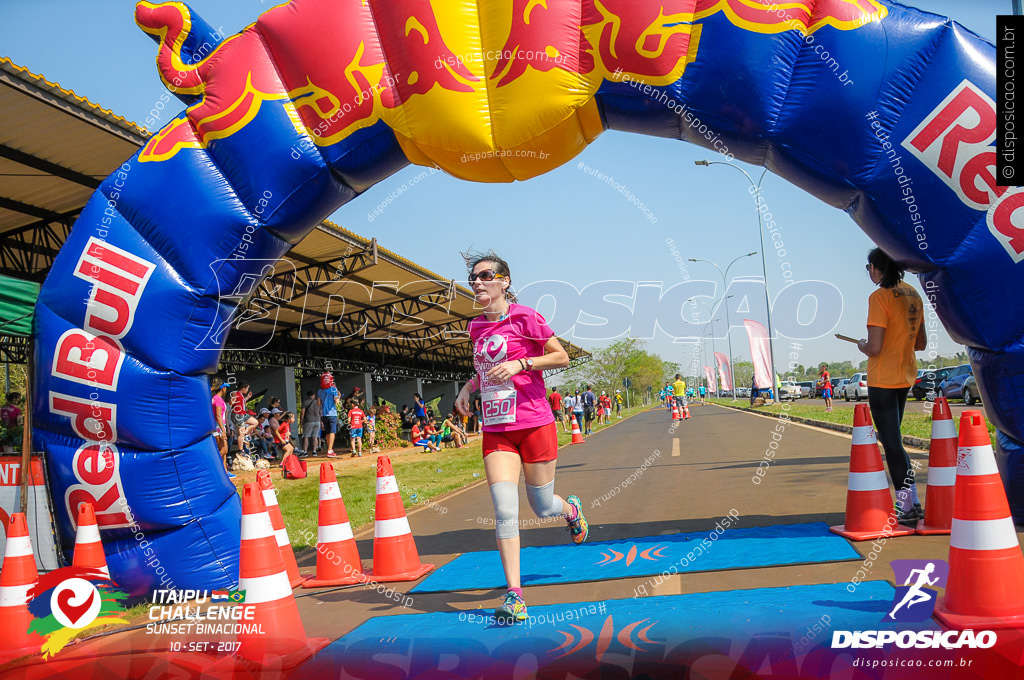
[
  {"x": 555, "y": 399},
  {"x": 512, "y": 346}
]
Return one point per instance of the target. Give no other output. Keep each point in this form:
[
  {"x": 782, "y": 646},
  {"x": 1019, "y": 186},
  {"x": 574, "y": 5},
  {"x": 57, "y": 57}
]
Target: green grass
[
  {"x": 917, "y": 419},
  {"x": 427, "y": 475}
]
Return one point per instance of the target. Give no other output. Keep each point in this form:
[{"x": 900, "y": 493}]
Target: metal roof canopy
[
  {"x": 354, "y": 306},
  {"x": 336, "y": 299},
  {"x": 55, "y": 149}
]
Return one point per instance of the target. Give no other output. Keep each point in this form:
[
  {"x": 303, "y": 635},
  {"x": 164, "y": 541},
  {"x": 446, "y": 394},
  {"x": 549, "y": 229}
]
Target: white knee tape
[
  {"x": 542, "y": 500},
  {"x": 505, "y": 496}
]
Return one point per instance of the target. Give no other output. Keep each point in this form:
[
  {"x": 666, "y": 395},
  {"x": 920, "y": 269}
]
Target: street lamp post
[
  {"x": 707, "y": 327},
  {"x": 711, "y": 322},
  {"x": 764, "y": 267},
  {"x": 728, "y": 324}
]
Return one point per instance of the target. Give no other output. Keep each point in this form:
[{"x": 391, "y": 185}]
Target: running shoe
[
  {"x": 332, "y": 454},
  {"x": 910, "y": 515},
  {"x": 512, "y": 608},
  {"x": 578, "y": 528}
]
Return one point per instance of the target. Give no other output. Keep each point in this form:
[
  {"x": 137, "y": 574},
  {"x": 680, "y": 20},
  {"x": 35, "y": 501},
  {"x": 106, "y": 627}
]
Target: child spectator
[
  {"x": 452, "y": 432},
  {"x": 356, "y": 416},
  {"x": 419, "y": 437},
  {"x": 284, "y": 434},
  {"x": 269, "y": 439},
  {"x": 433, "y": 434},
  {"x": 371, "y": 430},
  {"x": 258, "y": 436}
]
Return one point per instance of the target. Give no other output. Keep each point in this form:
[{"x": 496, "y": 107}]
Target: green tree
[
  {"x": 744, "y": 372},
  {"x": 620, "y": 360}
]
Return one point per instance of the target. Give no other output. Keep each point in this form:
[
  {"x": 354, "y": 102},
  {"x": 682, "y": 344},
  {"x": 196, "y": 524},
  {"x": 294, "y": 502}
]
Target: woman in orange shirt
[{"x": 895, "y": 332}]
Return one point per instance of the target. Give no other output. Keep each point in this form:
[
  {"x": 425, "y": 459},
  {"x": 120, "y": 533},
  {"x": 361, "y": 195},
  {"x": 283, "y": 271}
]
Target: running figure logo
[{"x": 913, "y": 601}]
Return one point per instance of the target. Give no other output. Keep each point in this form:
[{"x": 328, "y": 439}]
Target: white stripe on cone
[
  {"x": 975, "y": 461},
  {"x": 867, "y": 481},
  {"x": 256, "y": 526},
  {"x": 943, "y": 429},
  {"x": 87, "y": 534},
  {"x": 329, "y": 491},
  {"x": 260, "y": 589},
  {"x": 14, "y": 596},
  {"x": 333, "y": 533},
  {"x": 269, "y": 497},
  {"x": 388, "y": 528},
  {"x": 984, "y": 534},
  {"x": 941, "y": 476},
  {"x": 18, "y": 546},
  {"x": 282, "y": 537},
  {"x": 387, "y": 485},
  {"x": 864, "y": 434}
]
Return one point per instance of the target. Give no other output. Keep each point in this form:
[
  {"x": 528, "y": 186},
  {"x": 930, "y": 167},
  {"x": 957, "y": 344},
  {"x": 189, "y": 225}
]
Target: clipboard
[{"x": 847, "y": 338}]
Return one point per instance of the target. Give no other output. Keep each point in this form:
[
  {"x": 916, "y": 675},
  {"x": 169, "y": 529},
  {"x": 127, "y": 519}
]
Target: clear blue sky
[{"x": 564, "y": 225}]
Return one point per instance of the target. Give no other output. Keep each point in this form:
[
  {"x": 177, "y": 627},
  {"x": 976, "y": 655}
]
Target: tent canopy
[{"x": 17, "y": 305}]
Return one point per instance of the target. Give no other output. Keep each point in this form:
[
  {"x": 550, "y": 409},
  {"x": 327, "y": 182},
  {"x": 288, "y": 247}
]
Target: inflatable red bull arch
[{"x": 878, "y": 109}]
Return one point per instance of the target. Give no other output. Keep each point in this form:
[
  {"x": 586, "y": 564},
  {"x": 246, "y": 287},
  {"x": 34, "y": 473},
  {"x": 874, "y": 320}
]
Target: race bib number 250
[{"x": 499, "y": 407}]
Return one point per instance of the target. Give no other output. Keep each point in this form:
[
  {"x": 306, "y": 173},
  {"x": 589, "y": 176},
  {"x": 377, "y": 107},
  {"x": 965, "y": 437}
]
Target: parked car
[
  {"x": 952, "y": 387},
  {"x": 927, "y": 381},
  {"x": 789, "y": 390},
  {"x": 743, "y": 393},
  {"x": 857, "y": 388},
  {"x": 837, "y": 387},
  {"x": 971, "y": 394},
  {"x": 806, "y": 389}
]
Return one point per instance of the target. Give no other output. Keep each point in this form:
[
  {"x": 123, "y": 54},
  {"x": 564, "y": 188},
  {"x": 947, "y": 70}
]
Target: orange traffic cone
[
  {"x": 394, "y": 550},
  {"x": 686, "y": 412},
  {"x": 938, "y": 503},
  {"x": 337, "y": 558},
  {"x": 675, "y": 411},
  {"x": 88, "y": 547},
  {"x": 577, "y": 436},
  {"x": 986, "y": 568},
  {"x": 869, "y": 508},
  {"x": 274, "y": 635},
  {"x": 18, "y": 576},
  {"x": 280, "y": 532}
]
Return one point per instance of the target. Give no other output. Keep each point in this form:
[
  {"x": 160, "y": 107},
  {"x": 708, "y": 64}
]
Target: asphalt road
[{"x": 699, "y": 472}]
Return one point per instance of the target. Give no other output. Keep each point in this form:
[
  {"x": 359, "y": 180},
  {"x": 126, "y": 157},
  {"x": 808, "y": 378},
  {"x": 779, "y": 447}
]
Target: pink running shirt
[{"x": 523, "y": 333}]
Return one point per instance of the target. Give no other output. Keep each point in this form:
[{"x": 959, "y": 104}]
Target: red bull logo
[
  {"x": 443, "y": 75},
  {"x": 93, "y": 356},
  {"x": 954, "y": 141}
]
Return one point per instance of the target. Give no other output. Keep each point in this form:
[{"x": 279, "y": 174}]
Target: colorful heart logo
[{"x": 74, "y": 612}]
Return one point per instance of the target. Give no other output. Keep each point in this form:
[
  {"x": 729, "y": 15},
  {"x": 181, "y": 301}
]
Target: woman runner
[{"x": 512, "y": 346}]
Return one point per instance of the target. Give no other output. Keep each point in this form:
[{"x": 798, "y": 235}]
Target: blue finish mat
[
  {"x": 651, "y": 632},
  {"x": 698, "y": 551}
]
